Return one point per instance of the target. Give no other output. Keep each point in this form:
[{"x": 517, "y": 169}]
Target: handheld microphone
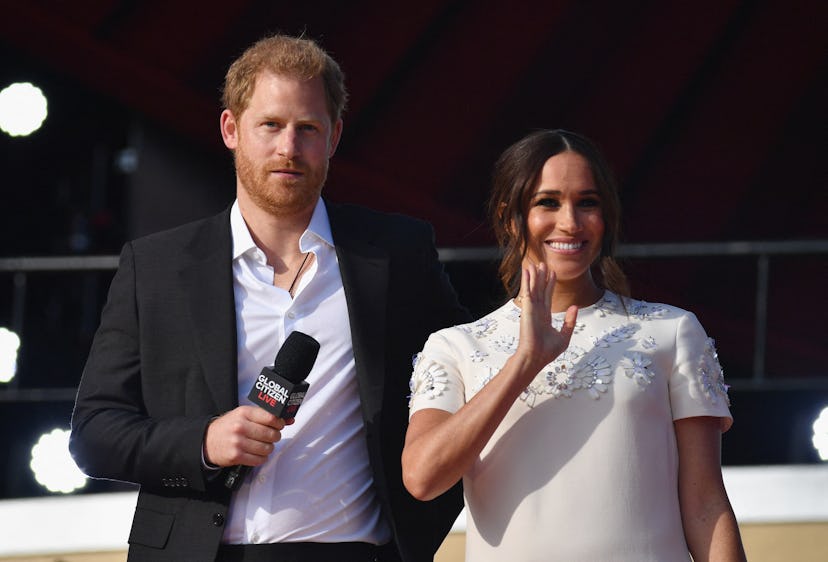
[{"x": 281, "y": 389}]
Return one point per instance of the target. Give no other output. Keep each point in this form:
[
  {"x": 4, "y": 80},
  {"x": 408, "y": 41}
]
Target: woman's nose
[{"x": 567, "y": 219}]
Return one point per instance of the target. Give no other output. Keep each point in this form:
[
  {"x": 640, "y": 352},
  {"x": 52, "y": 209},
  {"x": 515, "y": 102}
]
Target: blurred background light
[
  {"x": 52, "y": 464},
  {"x": 9, "y": 344},
  {"x": 820, "y": 437},
  {"x": 22, "y": 109}
]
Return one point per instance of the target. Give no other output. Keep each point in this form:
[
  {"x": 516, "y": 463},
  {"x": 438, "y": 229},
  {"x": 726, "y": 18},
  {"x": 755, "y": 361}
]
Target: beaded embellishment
[
  {"x": 637, "y": 367},
  {"x": 576, "y": 369},
  {"x": 429, "y": 378},
  {"x": 711, "y": 374}
]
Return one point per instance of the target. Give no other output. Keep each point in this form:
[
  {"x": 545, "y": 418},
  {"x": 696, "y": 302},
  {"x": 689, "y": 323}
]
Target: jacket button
[{"x": 218, "y": 519}]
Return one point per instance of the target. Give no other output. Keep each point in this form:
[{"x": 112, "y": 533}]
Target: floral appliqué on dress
[
  {"x": 637, "y": 367},
  {"x": 506, "y": 344},
  {"x": 648, "y": 342},
  {"x": 615, "y": 335},
  {"x": 643, "y": 310},
  {"x": 429, "y": 378},
  {"x": 711, "y": 375},
  {"x": 571, "y": 371},
  {"x": 478, "y": 356},
  {"x": 576, "y": 369},
  {"x": 481, "y": 328}
]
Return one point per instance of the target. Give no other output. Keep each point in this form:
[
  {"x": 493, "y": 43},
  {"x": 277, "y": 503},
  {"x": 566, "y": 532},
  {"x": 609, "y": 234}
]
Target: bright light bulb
[
  {"x": 820, "y": 438},
  {"x": 22, "y": 109},
  {"x": 52, "y": 464},
  {"x": 9, "y": 344}
]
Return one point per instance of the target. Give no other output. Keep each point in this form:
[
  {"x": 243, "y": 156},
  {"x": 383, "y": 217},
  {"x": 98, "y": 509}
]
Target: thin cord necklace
[{"x": 298, "y": 271}]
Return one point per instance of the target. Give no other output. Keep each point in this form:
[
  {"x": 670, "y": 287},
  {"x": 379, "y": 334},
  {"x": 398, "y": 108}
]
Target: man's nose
[{"x": 288, "y": 143}]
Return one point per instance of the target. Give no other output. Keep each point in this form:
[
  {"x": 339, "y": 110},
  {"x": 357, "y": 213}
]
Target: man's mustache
[{"x": 287, "y": 165}]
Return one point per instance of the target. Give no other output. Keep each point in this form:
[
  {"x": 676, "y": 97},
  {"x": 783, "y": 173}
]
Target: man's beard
[{"x": 280, "y": 196}]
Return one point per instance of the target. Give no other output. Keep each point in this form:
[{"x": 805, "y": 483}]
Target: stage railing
[{"x": 21, "y": 267}]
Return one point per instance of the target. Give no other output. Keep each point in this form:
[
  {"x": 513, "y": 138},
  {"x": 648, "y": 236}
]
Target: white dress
[{"x": 584, "y": 465}]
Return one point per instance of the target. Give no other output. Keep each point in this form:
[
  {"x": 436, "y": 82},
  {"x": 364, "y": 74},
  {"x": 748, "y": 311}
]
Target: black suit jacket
[{"x": 163, "y": 364}]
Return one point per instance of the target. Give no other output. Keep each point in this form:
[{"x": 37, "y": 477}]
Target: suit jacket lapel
[
  {"x": 364, "y": 270},
  {"x": 207, "y": 280}
]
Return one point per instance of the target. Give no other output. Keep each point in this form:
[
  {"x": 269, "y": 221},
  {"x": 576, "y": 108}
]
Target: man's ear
[{"x": 229, "y": 129}]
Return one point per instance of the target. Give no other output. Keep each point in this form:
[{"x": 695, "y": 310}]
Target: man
[{"x": 196, "y": 312}]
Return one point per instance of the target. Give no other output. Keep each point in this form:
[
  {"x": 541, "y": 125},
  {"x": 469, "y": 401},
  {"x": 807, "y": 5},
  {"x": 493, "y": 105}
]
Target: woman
[{"x": 585, "y": 425}]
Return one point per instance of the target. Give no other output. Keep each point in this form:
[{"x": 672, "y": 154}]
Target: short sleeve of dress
[
  {"x": 697, "y": 386},
  {"x": 436, "y": 381}
]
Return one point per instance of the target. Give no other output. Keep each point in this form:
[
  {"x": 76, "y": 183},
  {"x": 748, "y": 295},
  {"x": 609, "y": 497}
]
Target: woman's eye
[
  {"x": 590, "y": 202},
  {"x": 547, "y": 202}
]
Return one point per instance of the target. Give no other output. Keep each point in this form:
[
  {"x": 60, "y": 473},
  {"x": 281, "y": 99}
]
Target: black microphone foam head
[{"x": 296, "y": 357}]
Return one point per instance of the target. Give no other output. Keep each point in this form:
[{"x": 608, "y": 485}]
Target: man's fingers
[
  {"x": 244, "y": 435},
  {"x": 257, "y": 448},
  {"x": 247, "y": 458},
  {"x": 262, "y": 417}
]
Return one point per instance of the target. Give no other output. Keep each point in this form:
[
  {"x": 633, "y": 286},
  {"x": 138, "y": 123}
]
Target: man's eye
[{"x": 308, "y": 127}]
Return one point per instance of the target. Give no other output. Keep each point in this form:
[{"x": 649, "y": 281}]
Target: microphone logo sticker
[
  {"x": 276, "y": 394},
  {"x": 270, "y": 391}
]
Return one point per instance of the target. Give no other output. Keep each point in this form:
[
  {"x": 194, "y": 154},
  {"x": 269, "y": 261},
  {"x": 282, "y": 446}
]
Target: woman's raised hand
[{"x": 540, "y": 343}]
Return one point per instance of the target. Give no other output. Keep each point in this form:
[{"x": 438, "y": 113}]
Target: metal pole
[
  {"x": 18, "y": 313},
  {"x": 761, "y": 334}
]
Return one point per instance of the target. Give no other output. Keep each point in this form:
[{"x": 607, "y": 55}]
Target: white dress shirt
[{"x": 317, "y": 484}]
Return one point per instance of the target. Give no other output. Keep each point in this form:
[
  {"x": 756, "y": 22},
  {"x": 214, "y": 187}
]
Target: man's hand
[{"x": 244, "y": 435}]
